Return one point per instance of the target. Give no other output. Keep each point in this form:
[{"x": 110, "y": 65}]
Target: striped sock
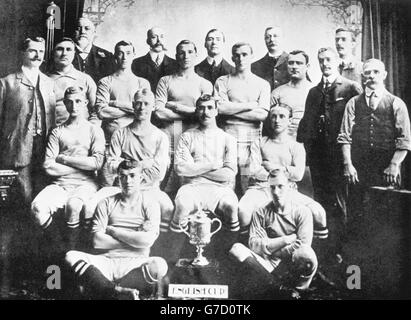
[
  {"x": 175, "y": 227},
  {"x": 164, "y": 225},
  {"x": 234, "y": 226},
  {"x": 321, "y": 233},
  {"x": 73, "y": 224},
  {"x": 46, "y": 224}
]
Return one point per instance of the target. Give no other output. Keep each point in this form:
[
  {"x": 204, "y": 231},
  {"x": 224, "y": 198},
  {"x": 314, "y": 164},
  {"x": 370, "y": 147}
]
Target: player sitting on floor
[{"x": 125, "y": 226}]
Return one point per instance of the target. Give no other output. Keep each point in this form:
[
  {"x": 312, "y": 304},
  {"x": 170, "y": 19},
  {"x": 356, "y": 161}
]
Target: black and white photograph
[{"x": 205, "y": 150}]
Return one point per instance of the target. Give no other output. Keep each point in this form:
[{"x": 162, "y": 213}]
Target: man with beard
[
  {"x": 214, "y": 65},
  {"x": 351, "y": 66},
  {"x": 90, "y": 58},
  {"x": 27, "y": 108},
  {"x": 65, "y": 75},
  {"x": 155, "y": 64},
  {"x": 273, "y": 66}
]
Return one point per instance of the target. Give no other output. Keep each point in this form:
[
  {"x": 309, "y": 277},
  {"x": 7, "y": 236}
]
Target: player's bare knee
[
  {"x": 40, "y": 213},
  {"x": 157, "y": 268},
  {"x": 229, "y": 207},
  {"x": 244, "y": 214},
  {"x": 305, "y": 260},
  {"x": 74, "y": 206},
  {"x": 239, "y": 251},
  {"x": 73, "y": 256}
]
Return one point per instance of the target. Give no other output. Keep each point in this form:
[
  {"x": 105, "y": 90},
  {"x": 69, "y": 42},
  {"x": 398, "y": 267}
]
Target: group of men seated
[{"x": 156, "y": 139}]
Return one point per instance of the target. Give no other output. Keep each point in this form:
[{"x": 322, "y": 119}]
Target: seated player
[
  {"x": 125, "y": 226},
  {"x": 75, "y": 150},
  {"x": 140, "y": 141},
  {"x": 280, "y": 232},
  {"x": 277, "y": 150},
  {"x": 206, "y": 161}
]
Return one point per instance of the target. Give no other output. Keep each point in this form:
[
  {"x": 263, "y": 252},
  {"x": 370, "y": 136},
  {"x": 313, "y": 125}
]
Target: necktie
[
  {"x": 373, "y": 101},
  {"x": 327, "y": 85},
  {"x": 158, "y": 61}
]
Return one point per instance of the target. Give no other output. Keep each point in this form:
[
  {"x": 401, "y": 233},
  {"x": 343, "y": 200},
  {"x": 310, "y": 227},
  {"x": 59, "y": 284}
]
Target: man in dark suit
[
  {"x": 318, "y": 130},
  {"x": 214, "y": 65},
  {"x": 273, "y": 66},
  {"x": 155, "y": 64},
  {"x": 89, "y": 58},
  {"x": 27, "y": 108}
]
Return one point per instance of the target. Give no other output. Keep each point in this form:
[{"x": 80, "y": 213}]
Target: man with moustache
[
  {"x": 375, "y": 137},
  {"x": 65, "y": 75},
  {"x": 351, "y": 66},
  {"x": 243, "y": 102},
  {"x": 318, "y": 130},
  {"x": 27, "y": 108},
  {"x": 176, "y": 98},
  {"x": 214, "y": 65},
  {"x": 155, "y": 64},
  {"x": 294, "y": 92},
  {"x": 206, "y": 161},
  {"x": 90, "y": 58},
  {"x": 273, "y": 66},
  {"x": 115, "y": 92}
]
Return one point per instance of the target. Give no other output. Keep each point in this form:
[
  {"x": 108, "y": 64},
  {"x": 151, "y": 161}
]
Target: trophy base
[{"x": 190, "y": 263}]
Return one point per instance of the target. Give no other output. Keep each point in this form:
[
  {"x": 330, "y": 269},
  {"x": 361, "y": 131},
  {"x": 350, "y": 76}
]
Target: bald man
[
  {"x": 375, "y": 135},
  {"x": 273, "y": 66},
  {"x": 155, "y": 64},
  {"x": 89, "y": 58}
]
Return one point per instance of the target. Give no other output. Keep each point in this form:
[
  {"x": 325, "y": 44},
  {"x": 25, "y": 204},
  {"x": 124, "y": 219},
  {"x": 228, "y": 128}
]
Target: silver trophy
[{"x": 199, "y": 233}]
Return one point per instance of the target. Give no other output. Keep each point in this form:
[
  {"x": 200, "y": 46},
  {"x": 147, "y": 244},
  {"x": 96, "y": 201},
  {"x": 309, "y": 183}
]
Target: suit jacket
[
  {"x": 203, "y": 69},
  {"x": 98, "y": 64},
  {"x": 323, "y": 114},
  {"x": 16, "y": 107},
  {"x": 277, "y": 74},
  {"x": 146, "y": 68}
]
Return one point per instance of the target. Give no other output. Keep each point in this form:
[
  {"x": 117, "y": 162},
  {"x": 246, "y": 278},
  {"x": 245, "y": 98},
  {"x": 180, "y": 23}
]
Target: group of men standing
[{"x": 121, "y": 138}]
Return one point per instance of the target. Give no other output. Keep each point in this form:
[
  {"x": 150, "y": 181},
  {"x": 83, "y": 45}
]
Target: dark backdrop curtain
[{"x": 386, "y": 36}]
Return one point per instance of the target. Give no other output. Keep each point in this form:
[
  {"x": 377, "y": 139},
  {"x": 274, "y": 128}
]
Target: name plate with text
[{"x": 198, "y": 291}]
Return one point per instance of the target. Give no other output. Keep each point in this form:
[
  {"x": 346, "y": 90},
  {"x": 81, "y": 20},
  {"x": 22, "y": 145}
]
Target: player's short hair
[
  {"x": 275, "y": 173},
  {"x": 295, "y": 52},
  {"x": 75, "y": 90},
  {"x": 324, "y": 49},
  {"x": 239, "y": 45},
  {"x": 26, "y": 42},
  {"x": 215, "y": 30},
  {"x": 343, "y": 29},
  {"x": 281, "y": 105},
  {"x": 128, "y": 165},
  {"x": 145, "y": 92},
  {"x": 183, "y": 42},
  {"x": 123, "y": 43},
  {"x": 205, "y": 98},
  {"x": 64, "y": 39}
]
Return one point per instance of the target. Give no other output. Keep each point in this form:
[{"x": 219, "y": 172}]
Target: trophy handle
[
  {"x": 218, "y": 228},
  {"x": 184, "y": 229}
]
